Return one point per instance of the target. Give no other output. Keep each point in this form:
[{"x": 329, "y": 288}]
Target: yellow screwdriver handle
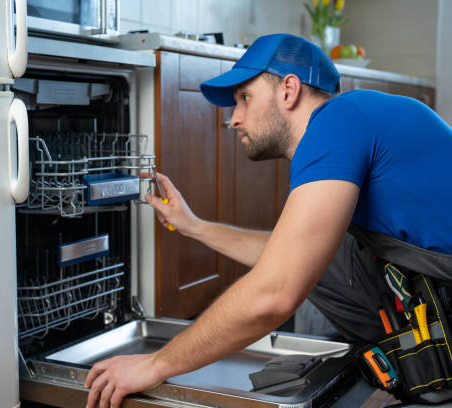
[
  {"x": 169, "y": 227},
  {"x": 415, "y": 326},
  {"x": 421, "y": 316},
  {"x": 417, "y": 336}
]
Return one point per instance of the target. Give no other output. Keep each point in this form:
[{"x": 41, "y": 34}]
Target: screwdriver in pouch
[
  {"x": 420, "y": 310},
  {"x": 389, "y": 308},
  {"x": 162, "y": 196},
  {"x": 399, "y": 284}
]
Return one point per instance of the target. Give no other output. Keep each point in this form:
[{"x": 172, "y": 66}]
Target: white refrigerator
[{"x": 13, "y": 187}]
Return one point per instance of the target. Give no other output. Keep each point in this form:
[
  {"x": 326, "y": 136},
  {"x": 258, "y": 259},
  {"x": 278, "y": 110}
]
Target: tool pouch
[{"x": 422, "y": 370}]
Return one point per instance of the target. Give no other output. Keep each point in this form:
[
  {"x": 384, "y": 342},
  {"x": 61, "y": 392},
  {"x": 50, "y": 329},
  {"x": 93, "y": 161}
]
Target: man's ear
[{"x": 292, "y": 89}]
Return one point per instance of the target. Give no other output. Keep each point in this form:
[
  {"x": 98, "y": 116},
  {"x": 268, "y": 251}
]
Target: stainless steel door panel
[
  {"x": 69, "y": 395},
  {"x": 148, "y": 334},
  {"x": 221, "y": 384}
]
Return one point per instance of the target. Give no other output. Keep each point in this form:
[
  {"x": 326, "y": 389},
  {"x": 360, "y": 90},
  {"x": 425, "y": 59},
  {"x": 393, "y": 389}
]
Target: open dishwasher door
[{"x": 57, "y": 378}]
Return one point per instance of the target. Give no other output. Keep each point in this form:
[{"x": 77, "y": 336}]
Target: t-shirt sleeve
[{"x": 337, "y": 145}]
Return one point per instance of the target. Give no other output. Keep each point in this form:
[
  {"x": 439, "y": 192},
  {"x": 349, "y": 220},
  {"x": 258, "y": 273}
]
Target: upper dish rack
[{"x": 65, "y": 163}]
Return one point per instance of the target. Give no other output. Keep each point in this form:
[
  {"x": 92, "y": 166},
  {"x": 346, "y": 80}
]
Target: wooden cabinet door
[
  {"x": 254, "y": 185},
  {"x": 186, "y": 149},
  {"x": 202, "y": 155}
]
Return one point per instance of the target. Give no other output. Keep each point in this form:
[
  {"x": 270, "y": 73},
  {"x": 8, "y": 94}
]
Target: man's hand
[
  {"x": 242, "y": 245},
  {"x": 176, "y": 212},
  {"x": 111, "y": 380}
]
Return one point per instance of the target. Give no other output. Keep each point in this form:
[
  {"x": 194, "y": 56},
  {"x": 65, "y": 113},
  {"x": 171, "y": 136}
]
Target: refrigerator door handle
[
  {"x": 17, "y": 58},
  {"x": 19, "y": 184}
]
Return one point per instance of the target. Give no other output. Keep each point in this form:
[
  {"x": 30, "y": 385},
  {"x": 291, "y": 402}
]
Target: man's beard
[{"x": 270, "y": 141}]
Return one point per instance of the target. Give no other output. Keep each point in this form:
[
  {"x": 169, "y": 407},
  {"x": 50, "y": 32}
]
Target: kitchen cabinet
[
  {"x": 423, "y": 93},
  {"x": 186, "y": 148},
  {"x": 198, "y": 150}
]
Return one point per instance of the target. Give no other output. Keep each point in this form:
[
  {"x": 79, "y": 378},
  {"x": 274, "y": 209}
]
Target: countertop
[
  {"x": 157, "y": 41},
  {"x": 92, "y": 52}
]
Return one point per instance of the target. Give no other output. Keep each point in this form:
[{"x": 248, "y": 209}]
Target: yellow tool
[
  {"x": 421, "y": 316},
  {"x": 400, "y": 286},
  {"x": 162, "y": 196},
  {"x": 418, "y": 318},
  {"x": 417, "y": 335}
]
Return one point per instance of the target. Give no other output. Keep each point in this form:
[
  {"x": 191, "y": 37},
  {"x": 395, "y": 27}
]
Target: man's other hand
[{"x": 111, "y": 380}]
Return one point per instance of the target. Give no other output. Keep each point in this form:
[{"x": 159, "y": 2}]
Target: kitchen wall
[
  {"x": 241, "y": 21},
  {"x": 399, "y": 35},
  {"x": 444, "y": 62}
]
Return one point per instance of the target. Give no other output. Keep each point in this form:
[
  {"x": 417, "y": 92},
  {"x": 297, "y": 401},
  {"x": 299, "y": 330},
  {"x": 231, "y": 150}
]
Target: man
[{"x": 382, "y": 161}]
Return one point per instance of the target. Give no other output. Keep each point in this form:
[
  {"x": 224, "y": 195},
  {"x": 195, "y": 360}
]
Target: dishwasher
[{"x": 77, "y": 297}]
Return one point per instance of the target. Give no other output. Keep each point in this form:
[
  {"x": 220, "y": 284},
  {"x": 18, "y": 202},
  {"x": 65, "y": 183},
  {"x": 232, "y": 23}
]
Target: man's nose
[{"x": 236, "y": 118}]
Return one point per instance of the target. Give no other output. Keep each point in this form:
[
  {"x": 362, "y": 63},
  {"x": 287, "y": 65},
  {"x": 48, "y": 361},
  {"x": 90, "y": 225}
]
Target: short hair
[
  {"x": 272, "y": 78},
  {"x": 319, "y": 92},
  {"x": 276, "y": 80}
]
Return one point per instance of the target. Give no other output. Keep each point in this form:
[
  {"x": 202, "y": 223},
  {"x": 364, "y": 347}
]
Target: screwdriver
[
  {"x": 421, "y": 316},
  {"x": 399, "y": 284},
  {"x": 162, "y": 196},
  {"x": 415, "y": 326},
  {"x": 385, "y": 320},
  {"x": 391, "y": 314}
]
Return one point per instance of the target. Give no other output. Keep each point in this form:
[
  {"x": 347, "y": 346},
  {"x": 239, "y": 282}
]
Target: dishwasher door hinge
[
  {"x": 24, "y": 370},
  {"x": 137, "y": 308}
]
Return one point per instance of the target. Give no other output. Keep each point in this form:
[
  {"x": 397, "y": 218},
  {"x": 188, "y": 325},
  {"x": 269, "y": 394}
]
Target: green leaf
[
  {"x": 310, "y": 10},
  {"x": 339, "y": 22}
]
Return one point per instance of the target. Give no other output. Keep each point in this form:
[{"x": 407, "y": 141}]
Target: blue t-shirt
[{"x": 399, "y": 153}]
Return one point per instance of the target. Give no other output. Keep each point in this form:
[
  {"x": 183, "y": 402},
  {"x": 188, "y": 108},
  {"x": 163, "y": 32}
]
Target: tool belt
[{"x": 413, "y": 360}]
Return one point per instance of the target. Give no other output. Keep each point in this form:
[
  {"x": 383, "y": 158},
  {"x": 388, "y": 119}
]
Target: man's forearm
[
  {"x": 242, "y": 315},
  {"x": 242, "y": 245}
]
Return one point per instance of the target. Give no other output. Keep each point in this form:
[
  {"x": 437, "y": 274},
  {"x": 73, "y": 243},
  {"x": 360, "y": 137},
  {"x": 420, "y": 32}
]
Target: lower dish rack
[{"x": 44, "y": 305}]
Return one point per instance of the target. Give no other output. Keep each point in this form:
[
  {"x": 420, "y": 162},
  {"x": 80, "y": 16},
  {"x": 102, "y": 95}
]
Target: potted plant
[{"x": 327, "y": 19}]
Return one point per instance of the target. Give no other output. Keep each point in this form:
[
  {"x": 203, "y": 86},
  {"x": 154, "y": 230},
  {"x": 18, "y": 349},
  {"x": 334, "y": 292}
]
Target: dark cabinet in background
[
  {"x": 204, "y": 158},
  {"x": 422, "y": 93},
  {"x": 202, "y": 155}
]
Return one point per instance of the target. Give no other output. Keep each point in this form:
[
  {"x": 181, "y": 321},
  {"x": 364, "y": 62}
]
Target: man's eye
[{"x": 245, "y": 97}]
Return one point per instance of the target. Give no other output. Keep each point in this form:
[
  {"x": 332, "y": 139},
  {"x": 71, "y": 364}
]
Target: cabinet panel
[
  {"x": 427, "y": 96},
  {"x": 204, "y": 158},
  {"x": 256, "y": 191},
  {"x": 389, "y": 87},
  {"x": 194, "y": 70},
  {"x": 186, "y": 146},
  {"x": 226, "y": 187},
  {"x": 166, "y": 93},
  {"x": 196, "y": 154},
  {"x": 255, "y": 204},
  {"x": 424, "y": 94}
]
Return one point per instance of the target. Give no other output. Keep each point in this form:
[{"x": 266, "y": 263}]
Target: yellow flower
[
  {"x": 325, "y": 2},
  {"x": 339, "y": 5},
  {"x": 315, "y": 3}
]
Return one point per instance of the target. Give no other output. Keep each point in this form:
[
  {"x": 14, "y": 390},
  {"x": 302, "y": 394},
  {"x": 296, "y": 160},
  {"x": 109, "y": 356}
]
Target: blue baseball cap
[{"x": 278, "y": 54}]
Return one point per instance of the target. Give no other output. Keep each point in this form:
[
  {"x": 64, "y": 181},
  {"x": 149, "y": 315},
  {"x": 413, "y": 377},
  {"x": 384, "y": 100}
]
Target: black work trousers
[{"x": 348, "y": 292}]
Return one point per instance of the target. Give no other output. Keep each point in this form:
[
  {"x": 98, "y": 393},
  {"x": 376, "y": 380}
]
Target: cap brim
[{"x": 219, "y": 90}]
